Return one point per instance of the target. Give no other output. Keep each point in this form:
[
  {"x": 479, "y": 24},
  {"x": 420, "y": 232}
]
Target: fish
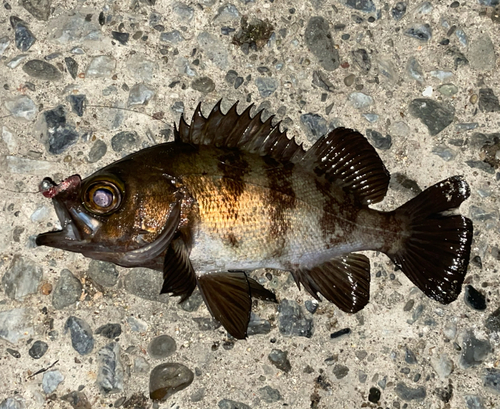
[{"x": 233, "y": 193}]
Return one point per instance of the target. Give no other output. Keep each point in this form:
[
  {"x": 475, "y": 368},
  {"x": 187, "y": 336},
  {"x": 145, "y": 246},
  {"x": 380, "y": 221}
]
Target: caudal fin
[{"x": 434, "y": 253}]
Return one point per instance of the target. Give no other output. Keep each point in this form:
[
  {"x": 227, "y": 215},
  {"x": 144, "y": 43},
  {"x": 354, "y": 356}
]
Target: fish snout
[{"x": 50, "y": 189}]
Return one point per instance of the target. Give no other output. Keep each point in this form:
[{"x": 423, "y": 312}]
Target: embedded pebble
[
  {"x": 398, "y": 11},
  {"x": 441, "y": 75},
  {"x": 473, "y": 402},
  {"x": 214, "y": 49},
  {"x": 468, "y": 126},
  {"x": 193, "y": 302},
  {"x": 258, "y": 325},
  {"x": 340, "y": 371},
  {"x": 226, "y": 14},
  {"x": 207, "y": 324},
  {"x": 292, "y": 320},
  {"x": 266, "y": 86},
  {"x": 109, "y": 331},
  {"x": 488, "y": 101},
  {"x": 23, "y": 37},
  {"x": 21, "y": 106},
  {"x": 137, "y": 325},
  {"x": 444, "y": 152},
  {"x": 167, "y": 379},
  {"x": 145, "y": 283},
  {"x": 321, "y": 80},
  {"x": 408, "y": 394},
  {"x": 493, "y": 321},
  {"x": 161, "y": 347},
  {"x": 269, "y": 395},
  {"x": 491, "y": 379},
  {"x": 366, "y": 6},
  {"x": 421, "y": 32},
  {"x": 38, "y": 349},
  {"x": 122, "y": 38},
  {"x": 51, "y": 380},
  {"x": 16, "y": 402},
  {"x": 141, "y": 68},
  {"x": 203, "y": 84},
  {"x": 100, "y": 67},
  {"x": 443, "y": 365},
  {"x": 362, "y": 59},
  {"x": 462, "y": 37},
  {"x": 4, "y": 43},
  {"x": 172, "y": 37},
  {"x": 103, "y": 273},
  {"x": 82, "y": 339},
  {"x": 231, "y": 404},
  {"x": 67, "y": 290},
  {"x": 40, "y": 9},
  {"x": 110, "y": 374},
  {"x": 183, "y": 11},
  {"x": 410, "y": 357},
  {"x": 360, "y": 100},
  {"x": 58, "y": 134},
  {"x": 399, "y": 129},
  {"x": 26, "y": 166},
  {"x": 140, "y": 94},
  {"x": 474, "y": 299},
  {"x": 311, "y": 305},
  {"x": 319, "y": 41},
  {"x": 13, "y": 352},
  {"x": 280, "y": 360},
  {"x": 124, "y": 141},
  {"x": 448, "y": 89},
  {"x": 378, "y": 141},
  {"x": 42, "y": 70},
  {"x": 314, "y": 125},
  {"x": 374, "y": 395},
  {"x": 72, "y": 66},
  {"x": 474, "y": 351},
  {"x": 414, "y": 69},
  {"x": 22, "y": 278},
  {"x": 434, "y": 115},
  {"x": 141, "y": 365},
  {"x": 14, "y": 62},
  {"x": 482, "y": 53},
  {"x": 98, "y": 150},
  {"x": 77, "y": 399}
]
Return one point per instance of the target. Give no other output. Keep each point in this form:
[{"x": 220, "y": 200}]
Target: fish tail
[{"x": 433, "y": 249}]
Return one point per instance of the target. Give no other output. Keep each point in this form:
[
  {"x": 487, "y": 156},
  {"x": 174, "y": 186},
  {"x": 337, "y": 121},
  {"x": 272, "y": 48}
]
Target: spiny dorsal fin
[
  {"x": 242, "y": 131},
  {"x": 344, "y": 156}
]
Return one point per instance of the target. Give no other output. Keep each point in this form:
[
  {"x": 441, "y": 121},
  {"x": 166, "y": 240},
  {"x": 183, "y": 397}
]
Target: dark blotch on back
[
  {"x": 281, "y": 198},
  {"x": 234, "y": 167}
]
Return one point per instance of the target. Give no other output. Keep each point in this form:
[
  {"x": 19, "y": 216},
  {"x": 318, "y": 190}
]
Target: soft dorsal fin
[
  {"x": 344, "y": 156},
  {"x": 233, "y": 130}
]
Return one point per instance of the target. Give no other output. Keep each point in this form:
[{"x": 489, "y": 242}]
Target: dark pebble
[
  {"x": 42, "y": 70},
  {"x": 374, "y": 395},
  {"x": 78, "y": 103},
  {"x": 124, "y": 141},
  {"x": 362, "y": 59},
  {"x": 420, "y": 32},
  {"x": 231, "y": 404},
  {"x": 493, "y": 321},
  {"x": 13, "y": 352},
  {"x": 82, "y": 339},
  {"x": 38, "y": 349},
  {"x": 102, "y": 272},
  {"x": 258, "y": 325},
  {"x": 321, "y": 80},
  {"x": 366, "y": 6},
  {"x": 410, "y": 357},
  {"x": 311, "y": 306},
  {"x": 336, "y": 334},
  {"x": 122, "y": 38},
  {"x": 445, "y": 394},
  {"x": 491, "y": 379},
  {"x": 145, "y": 283},
  {"x": 238, "y": 82},
  {"x": 60, "y": 134},
  {"x": 109, "y": 331},
  {"x": 40, "y": 9},
  {"x": 476, "y": 261},
  {"x": 77, "y": 399},
  {"x": 72, "y": 66},
  {"x": 292, "y": 321},
  {"x": 67, "y": 290},
  {"x": 98, "y": 150},
  {"x": 110, "y": 374},
  {"x": 434, "y": 115},
  {"x": 488, "y": 101},
  {"x": 444, "y": 41},
  {"x": 398, "y": 11},
  {"x": 474, "y": 351},
  {"x": 474, "y": 298},
  {"x": 319, "y": 41},
  {"x": 340, "y": 371},
  {"x": 315, "y": 125},
  {"x": 269, "y": 395},
  {"x": 167, "y": 379},
  {"x": 379, "y": 141},
  {"x": 231, "y": 76},
  {"x": 407, "y": 394},
  {"x": 161, "y": 347},
  {"x": 24, "y": 38},
  {"x": 203, "y": 84},
  {"x": 193, "y": 302},
  {"x": 280, "y": 360}
]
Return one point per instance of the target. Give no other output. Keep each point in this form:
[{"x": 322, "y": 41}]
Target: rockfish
[{"x": 232, "y": 193}]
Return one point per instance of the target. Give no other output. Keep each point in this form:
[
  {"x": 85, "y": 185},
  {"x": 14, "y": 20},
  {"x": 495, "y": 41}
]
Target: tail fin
[{"x": 434, "y": 255}]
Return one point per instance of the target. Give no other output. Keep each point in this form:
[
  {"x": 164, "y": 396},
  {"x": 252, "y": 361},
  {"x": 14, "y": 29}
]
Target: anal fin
[
  {"x": 228, "y": 296},
  {"x": 178, "y": 273},
  {"x": 344, "y": 281}
]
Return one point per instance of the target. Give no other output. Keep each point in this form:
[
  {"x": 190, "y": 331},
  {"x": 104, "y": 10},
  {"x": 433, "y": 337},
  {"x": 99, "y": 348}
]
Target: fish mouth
[{"x": 69, "y": 237}]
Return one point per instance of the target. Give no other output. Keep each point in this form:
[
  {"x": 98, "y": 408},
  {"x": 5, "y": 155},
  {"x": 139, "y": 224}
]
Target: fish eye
[{"x": 102, "y": 197}]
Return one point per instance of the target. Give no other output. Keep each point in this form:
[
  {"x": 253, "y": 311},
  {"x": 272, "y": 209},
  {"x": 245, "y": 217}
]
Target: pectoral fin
[
  {"x": 178, "y": 273},
  {"x": 345, "y": 281},
  {"x": 228, "y": 296}
]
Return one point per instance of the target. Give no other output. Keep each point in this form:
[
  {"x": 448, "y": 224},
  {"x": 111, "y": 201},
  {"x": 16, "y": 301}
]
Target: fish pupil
[{"x": 103, "y": 198}]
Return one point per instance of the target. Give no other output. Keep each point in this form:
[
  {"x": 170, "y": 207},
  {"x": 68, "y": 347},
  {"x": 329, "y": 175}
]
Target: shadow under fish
[{"x": 233, "y": 193}]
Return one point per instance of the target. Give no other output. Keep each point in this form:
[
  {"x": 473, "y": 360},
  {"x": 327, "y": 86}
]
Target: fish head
[{"x": 119, "y": 214}]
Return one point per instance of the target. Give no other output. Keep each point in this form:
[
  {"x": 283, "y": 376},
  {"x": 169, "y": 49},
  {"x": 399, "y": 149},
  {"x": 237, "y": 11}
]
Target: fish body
[{"x": 232, "y": 193}]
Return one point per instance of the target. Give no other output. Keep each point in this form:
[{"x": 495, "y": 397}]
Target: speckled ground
[{"x": 83, "y": 84}]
